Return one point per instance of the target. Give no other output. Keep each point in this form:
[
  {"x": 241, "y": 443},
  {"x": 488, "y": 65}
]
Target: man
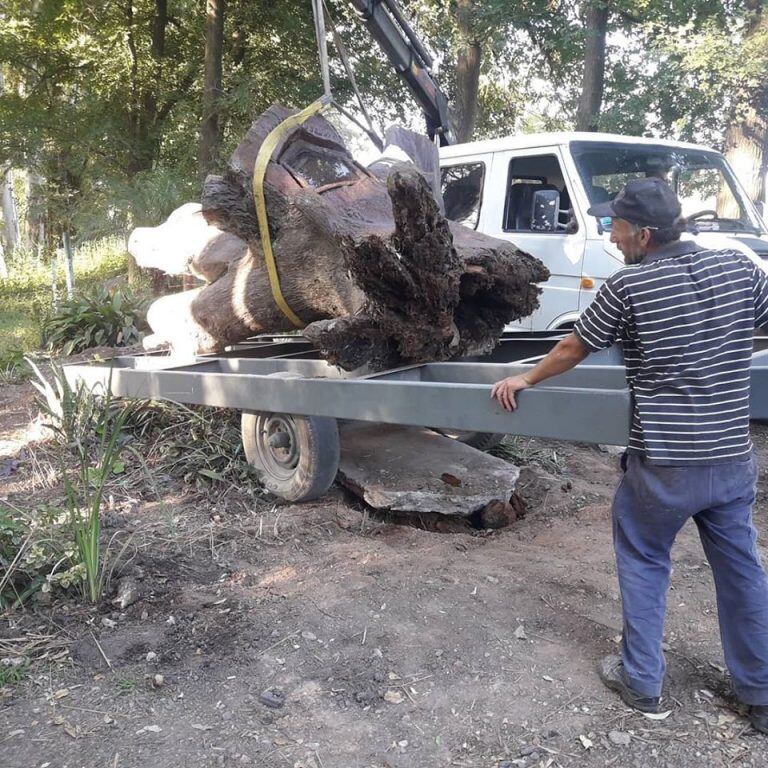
[{"x": 685, "y": 318}]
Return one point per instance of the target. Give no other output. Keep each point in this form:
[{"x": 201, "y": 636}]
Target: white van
[{"x": 534, "y": 190}]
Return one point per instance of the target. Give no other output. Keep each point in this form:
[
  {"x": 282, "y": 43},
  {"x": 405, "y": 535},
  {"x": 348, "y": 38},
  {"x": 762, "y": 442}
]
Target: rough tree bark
[
  {"x": 746, "y": 140},
  {"x": 365, "y": 259},
  {"x": 210, "y": 129},
  {"x": 467, "y": 73},
  {"x": 591, "y": 97}
]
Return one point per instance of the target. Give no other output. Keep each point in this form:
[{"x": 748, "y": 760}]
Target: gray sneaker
[
  {"x": 758, "y": 716},
  {"x": 611, "y": 671}
]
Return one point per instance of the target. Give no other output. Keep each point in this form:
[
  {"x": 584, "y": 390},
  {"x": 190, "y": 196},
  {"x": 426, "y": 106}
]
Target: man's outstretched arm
[{"x": 566, "y": 354}]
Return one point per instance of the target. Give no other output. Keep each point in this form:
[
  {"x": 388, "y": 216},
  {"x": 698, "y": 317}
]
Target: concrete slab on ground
[{"x": 412, "y": 469}]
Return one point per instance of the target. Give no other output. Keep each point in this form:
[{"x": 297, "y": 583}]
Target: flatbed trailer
[{"x": 292, "y": 400}]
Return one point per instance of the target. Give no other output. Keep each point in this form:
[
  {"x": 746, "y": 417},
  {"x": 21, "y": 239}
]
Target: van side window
[
  {"x": 462, "y": 187},
  {"x": 537, "y": 198}
]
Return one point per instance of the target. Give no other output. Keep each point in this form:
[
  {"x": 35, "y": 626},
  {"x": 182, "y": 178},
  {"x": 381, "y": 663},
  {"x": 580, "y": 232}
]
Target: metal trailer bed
[{"x": 291, "y": 399}]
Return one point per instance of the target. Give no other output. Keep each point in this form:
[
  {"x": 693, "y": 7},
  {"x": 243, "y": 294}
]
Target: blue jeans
[{"x": 651, "y": 505}]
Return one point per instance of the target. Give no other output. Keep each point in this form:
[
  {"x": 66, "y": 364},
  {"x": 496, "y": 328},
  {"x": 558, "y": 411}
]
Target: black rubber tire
[
  {"x": 483, "y": 441},
  {"x": 312, "y": 460}
]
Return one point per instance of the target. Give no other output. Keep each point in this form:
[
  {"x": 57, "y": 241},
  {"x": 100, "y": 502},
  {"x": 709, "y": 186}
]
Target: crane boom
[{"x": 385, "y": 21}]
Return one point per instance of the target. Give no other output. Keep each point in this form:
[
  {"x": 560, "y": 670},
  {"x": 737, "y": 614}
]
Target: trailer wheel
[
  {"x": 483, "y": 441},
  {"x": 297, "y": 457}
]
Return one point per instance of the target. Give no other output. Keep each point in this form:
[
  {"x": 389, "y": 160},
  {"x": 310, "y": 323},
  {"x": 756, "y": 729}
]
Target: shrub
[
  {"x": 36, "y": 552},
  {"x": 91, "y": 430},
  {"x": 99, "y": 318},
  {"x": 13, "y": 369},
  {"x": 25, "y": 295}
]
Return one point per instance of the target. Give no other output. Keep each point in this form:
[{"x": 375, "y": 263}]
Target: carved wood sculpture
[{"x": 365, "y": 259}]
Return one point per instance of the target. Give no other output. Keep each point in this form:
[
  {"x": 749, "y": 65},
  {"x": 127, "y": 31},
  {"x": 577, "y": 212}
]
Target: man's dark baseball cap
[{"x": 646, "y": 202}]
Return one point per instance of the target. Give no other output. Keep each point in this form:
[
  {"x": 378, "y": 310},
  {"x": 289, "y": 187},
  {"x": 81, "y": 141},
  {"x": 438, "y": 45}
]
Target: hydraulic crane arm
[{"x": 386, "y": 23}]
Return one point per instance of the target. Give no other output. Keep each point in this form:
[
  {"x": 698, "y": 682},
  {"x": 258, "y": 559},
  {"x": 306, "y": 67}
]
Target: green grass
[
  {"x": 12, "y": 675},
  {"x": 16, "y": 331},
  {"x": 126, "y": 684},
  {"x": 26, "y": 299}
]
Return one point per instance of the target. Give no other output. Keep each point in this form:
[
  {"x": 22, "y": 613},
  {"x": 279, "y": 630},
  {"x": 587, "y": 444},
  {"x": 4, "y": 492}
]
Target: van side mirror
[{"x": 544, "y": 210}]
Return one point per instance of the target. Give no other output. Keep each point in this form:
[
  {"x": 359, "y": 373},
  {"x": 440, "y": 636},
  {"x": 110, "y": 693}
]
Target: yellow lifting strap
[{"x": 274, "y": 137}]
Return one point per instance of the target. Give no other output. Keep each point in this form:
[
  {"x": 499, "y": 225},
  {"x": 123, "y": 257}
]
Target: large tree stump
[{"x": 370, "y": 264}]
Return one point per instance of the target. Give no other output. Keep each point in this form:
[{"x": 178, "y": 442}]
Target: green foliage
[
  {"x": 91, "y": 430},
  {"x": 70, "y": 413},
  {"x": 85, "y": 493},
  {"x": 199, "y": 445},
  {"x": 99, "y": 318},
  {"x": 26, "y": 296},
  {"x": 13, "y": 674},
  {"x": 151, "y": 195},
  {"x": 126, "y": 685},
  {"x": 13, "y": 368},
  {"x": 36, "y": 552},
  {"x": 89, "y": 95},
  {"x": 58, "y": 546}
]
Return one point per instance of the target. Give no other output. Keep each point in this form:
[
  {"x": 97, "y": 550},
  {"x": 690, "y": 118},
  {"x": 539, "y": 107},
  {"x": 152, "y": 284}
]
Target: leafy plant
[
  {"x": 26, "y": 296},
  {"x": 36, "y": 553},
  {"x": 99, "y": 318},
  {"x": 92, "y": 430},
  {"x": 126, "y": 684},
  {"x": 13, "y": 369},
  {"x": 84, "y": 498},
  {"x": 13, "y": 673},
  {"x": 197, "y": 444},
  {"x": 70, "y": 413}
]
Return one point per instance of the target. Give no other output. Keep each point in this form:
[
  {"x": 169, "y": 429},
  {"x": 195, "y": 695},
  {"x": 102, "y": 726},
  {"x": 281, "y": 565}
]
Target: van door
[
  {"x": 516, "y": 175},
  {"x": 462, "y": 182}
]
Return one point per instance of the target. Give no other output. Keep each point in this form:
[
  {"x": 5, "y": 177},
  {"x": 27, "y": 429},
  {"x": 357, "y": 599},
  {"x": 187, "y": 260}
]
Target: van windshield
[{"x": 702, "y": 180}]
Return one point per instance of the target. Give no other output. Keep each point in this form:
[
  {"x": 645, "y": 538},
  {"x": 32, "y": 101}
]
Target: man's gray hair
[{"x": 664, "y": 235}]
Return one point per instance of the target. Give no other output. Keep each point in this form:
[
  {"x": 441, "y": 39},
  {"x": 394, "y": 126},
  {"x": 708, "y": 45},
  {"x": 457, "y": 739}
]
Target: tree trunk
[
  {"x": 210, "y": 129},
  {"x": 746, "y": 139},
  {"x": 10, "y": 216},
  {"x": 146, "y": 114},
  {"x": 34, "y": 224},
  {"x": 42, "y": 245},
  {"x": 69, "y": 267},
  {"x": 747, "y": 154},
  {"x": 134, "y": 273},
  {"x": 144, "y": 94},
  {"x": 467, "y": 73},
  {"x": 591, "y": 97},
  {"x": 364, "y": 258},
  {"x": 134, "y": 111},
  {"x": 10, "y": 238},
  {"x": 55, "y": 281}
]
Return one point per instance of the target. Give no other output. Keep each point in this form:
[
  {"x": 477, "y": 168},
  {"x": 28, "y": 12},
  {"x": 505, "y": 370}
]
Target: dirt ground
[{"x": 385, "y": 643}]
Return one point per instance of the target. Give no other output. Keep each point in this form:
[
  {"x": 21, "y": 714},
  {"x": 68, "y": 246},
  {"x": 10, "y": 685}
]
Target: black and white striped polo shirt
[{"x": 685, "y": 319}]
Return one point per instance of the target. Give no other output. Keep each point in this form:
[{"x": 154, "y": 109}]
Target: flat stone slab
[{"x": 412, "y": 469}]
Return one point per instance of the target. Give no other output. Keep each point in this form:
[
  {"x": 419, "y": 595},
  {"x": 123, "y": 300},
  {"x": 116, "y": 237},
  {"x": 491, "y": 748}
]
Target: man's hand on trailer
[
  {"x": 506, "y": 389},
  {"x": 566, "y": 354}
]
